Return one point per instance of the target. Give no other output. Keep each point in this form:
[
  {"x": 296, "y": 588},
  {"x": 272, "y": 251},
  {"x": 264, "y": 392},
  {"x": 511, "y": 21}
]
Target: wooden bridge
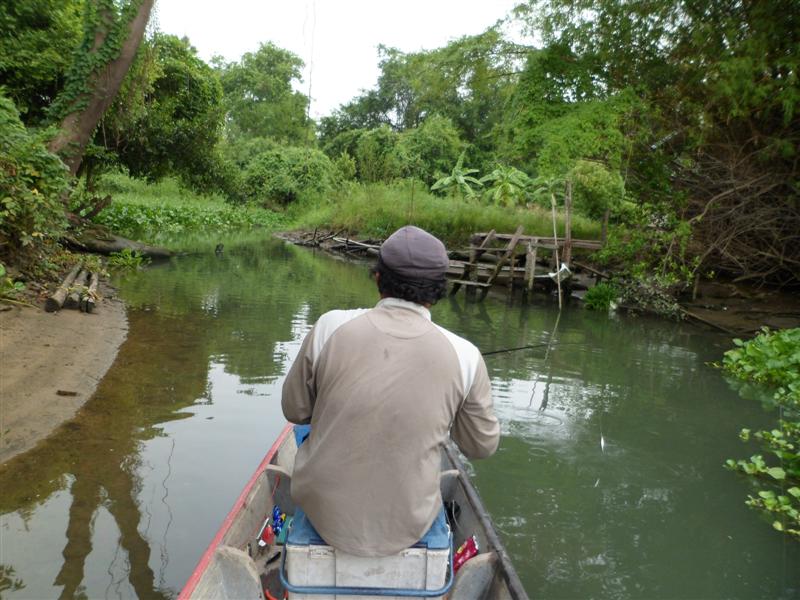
[{"x": 494, "y": 257}]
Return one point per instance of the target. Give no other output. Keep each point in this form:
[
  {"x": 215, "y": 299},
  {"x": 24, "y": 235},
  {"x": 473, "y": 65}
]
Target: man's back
[{"x": 382, "y": 389}]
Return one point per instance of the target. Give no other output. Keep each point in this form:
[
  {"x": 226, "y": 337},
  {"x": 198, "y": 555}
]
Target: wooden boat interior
[{"x": 235, "y": 566}]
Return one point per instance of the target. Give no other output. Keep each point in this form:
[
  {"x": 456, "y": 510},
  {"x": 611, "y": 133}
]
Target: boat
[{"x": 239, "y": 564}]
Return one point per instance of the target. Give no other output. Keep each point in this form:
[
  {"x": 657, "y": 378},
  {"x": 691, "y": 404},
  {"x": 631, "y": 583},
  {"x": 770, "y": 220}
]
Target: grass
[
  {"x": 153, "y": 211},
  {"x": 378, "y": 210},
  {"x": 157, "y": 211}
]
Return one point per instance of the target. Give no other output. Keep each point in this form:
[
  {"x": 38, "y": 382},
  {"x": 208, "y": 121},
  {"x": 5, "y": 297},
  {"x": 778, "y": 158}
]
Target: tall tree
[
  {"x": 112, "y": 34},
  {"x": 37, "y": 39},
  {"x": 259, "y": 97}
]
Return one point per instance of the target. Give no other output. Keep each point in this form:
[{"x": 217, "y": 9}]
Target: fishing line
[{"x": 546, "y": 357}]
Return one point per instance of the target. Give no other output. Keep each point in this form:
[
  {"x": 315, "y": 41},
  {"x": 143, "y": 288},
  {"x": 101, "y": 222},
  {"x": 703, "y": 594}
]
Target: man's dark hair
[{"x": 421, "y": 291}]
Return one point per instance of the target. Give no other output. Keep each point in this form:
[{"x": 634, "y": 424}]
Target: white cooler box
[{"x": 311, "y": 563}]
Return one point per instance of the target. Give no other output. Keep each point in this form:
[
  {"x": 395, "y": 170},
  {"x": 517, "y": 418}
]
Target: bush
[
  {"x": 595, "y": 189},
  {"x": 428, "y": 151},
  {"x": 283, "y": 175},
  {"x": 375, "y": 156},
  {"x": 32, "y": 181},
  {"x": 601, "y": 296}
]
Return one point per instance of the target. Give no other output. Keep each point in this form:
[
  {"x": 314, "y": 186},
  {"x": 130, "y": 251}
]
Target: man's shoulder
[
  {"x": 462, "y": 345},
  {"x": 329, "y": 322},
  {"x": 333, "y": 319}
]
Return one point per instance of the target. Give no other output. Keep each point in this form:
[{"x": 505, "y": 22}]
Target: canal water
[{"x": 608, "y": 482}]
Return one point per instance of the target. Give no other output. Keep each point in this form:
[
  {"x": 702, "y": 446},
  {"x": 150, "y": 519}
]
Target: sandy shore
[{"x": 50, "y": 365}]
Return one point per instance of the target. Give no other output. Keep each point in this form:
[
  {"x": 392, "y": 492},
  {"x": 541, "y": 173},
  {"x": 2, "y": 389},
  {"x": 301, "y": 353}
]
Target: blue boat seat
[{"x": 302, "y": 533}]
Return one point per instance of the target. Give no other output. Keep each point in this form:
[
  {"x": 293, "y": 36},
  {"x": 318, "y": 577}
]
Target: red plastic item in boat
[{"x": 465, "y": 551}]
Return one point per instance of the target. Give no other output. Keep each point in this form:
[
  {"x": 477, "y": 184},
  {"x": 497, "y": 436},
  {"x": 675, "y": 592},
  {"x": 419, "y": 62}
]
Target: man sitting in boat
[{"x": 382, "y": 389}]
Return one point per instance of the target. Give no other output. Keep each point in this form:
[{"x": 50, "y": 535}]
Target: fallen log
[
  {"x": 76, "y": 290},
  {"x": 89, "y": 299},
  {"x": 102, "y": 242},
  {"x": 56, "y": 301}
]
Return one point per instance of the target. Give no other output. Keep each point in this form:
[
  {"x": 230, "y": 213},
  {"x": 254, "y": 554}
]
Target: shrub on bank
[
  {"x": 32, "y": 181},
  {"x": 282, "y": 175}
]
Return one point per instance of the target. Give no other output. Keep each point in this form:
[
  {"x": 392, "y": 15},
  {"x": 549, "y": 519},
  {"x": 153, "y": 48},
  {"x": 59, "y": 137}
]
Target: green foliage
[
  {"x": 286, "y": 174},
  {"x": 378, "y": 210},
  {"x": 375, "y": 155},
  {"x": 651, "y": 250},
  {"x": 772, "y": 358},
  {"x": 429, "y": 150},
  {"x": 31, "y": 183},
  {"x": 595, "y": 189},
  {"x": 127, "y": 260},
  {"x": 459, "y": 182},
  {"x": 150, "y": 211},
  {"x": 345, "y": 166},
  {"x": 259, "y": 97},
  {"x": 37, "y": 39},
  {"x": 509, "y": 186},
  {"x": 8, "y": 287},
  {"x": 175, "y": 125},
  {"x": 601, "y": 296},
  {"x": 105, "y": 29}
]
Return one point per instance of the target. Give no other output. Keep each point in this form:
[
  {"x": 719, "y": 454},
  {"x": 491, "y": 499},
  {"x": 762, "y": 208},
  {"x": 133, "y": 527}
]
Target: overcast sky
[{"x": 337, "y": 39}]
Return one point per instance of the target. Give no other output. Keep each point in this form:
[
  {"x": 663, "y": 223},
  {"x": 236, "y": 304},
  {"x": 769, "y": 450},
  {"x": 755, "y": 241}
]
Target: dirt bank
[{"x": 51, "y": 365}]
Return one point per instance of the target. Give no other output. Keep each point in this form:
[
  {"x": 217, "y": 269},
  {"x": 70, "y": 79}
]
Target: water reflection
[{"x": 607, "y": 482}]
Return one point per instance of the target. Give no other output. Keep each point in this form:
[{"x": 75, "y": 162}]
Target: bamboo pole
[{"x": 555, "y": 249}]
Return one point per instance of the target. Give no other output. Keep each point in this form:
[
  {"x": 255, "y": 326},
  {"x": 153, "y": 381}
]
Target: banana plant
[
  {"x": 508, "y": 187},
  {"x": 460, "y": 182}
]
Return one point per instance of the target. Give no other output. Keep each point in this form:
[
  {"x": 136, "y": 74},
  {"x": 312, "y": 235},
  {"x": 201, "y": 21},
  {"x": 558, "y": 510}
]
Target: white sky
[{"x": 337, "y": 39}]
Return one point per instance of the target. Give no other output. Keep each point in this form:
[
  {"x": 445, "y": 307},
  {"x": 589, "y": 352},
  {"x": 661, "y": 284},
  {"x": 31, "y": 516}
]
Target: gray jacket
[{"x": 383, "y": 388}]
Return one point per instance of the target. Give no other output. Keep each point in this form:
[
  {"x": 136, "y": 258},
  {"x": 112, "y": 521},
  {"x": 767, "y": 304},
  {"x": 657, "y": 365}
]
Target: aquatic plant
[
  {"x": 772, "y": 358},
  {"x": 127, "y": 259},
  {"x": 601, "y": 296}
]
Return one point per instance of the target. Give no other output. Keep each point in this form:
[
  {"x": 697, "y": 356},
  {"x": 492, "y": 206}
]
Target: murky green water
[{"x": 607, "y": 483}]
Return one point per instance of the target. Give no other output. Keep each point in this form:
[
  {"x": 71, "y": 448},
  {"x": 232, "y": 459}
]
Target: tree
[
  {"x": 375, "y": 155},
  {"x": 170, "y": 120},
  {"x": 37, "y": 39},
  {"x": 112, "y": 36},
  {"x": 259, "y": 97},
  {"x": 508, "y": 187},
  {"x": 460, "y": 181},
  {"x": 427, "y": 151}
]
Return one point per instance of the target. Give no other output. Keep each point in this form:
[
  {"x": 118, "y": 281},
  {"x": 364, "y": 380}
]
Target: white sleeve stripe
[
  {"x": 469, "y": 358},
  {"x": 327, "y": 325}
]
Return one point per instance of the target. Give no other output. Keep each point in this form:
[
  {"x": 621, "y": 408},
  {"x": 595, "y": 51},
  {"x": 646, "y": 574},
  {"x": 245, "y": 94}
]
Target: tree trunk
[{"x": 102, "y": 85}]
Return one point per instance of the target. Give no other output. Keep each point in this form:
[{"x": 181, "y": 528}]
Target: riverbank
[
  {"x": 733, "y": 308},
  {"x": 52, "y": 363}
]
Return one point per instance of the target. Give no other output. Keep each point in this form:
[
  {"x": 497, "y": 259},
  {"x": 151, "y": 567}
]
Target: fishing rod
[{"x": 542, "y": 345}]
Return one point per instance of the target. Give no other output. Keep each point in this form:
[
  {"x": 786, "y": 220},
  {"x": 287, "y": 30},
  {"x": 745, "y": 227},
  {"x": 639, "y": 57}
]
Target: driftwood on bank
[
  {"x": 102, "y": 242},
  {"x": 89, "y": 299},
  {"x": 76, "y": 290},
  {"x": 56, "y": 301}
]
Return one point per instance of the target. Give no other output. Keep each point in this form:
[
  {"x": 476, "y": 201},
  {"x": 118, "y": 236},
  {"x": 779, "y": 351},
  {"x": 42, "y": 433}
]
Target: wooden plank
[
  {"x": 531, "y": 258},
  {"x": 512, "y": 244},
  {"x": 472, "y": 283},
  {"x": 576, "y": 243},
  {"x": 566, "y": 256}
]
